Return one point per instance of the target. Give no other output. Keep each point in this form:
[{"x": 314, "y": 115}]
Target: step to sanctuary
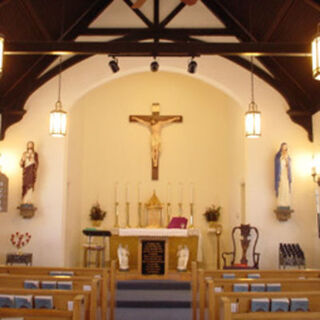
[{"x": 153, "y": 299}]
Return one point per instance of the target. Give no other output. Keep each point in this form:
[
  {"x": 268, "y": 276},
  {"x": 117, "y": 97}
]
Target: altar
[{"x": 154, "y": 251}]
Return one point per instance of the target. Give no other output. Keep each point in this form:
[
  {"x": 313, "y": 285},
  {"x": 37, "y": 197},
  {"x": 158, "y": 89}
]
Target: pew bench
[
  {"x": 78, "y": 312},
  {"x": 243, "y": 302},
  {"x": 100, "y": 273}
]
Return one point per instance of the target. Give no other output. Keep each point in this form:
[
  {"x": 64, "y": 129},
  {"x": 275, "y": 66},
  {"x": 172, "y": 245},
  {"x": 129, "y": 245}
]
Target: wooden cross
[{"x": 155, "y": 123}]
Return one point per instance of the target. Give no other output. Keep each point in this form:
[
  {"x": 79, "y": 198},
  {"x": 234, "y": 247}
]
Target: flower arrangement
[
  {"x": 19, "y": 240},
  {"x": 96, "y": 213},
  {"x": 212, "y": 213}
]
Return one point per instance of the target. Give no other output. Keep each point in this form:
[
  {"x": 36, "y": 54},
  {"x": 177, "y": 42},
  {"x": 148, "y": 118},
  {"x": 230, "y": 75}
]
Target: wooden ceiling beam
[
  {"x": 139, "y": 13},
  {"x": 164, "y": 31},
  {"x": 172, "y": 15},
  {"x": 281, "y": 14},
  {"x": 170, "y": 49}
]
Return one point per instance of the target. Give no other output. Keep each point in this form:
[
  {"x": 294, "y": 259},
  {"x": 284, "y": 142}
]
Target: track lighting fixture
[
  {"x": 114, "y": 66},
  {"x": 316, "y": 55},
  {"x": 154, "y": 66},
  {"x": 192, "y": 66}
]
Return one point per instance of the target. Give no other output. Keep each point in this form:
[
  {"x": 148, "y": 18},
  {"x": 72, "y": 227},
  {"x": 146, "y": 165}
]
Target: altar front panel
[{"x": 182, "y": 237}]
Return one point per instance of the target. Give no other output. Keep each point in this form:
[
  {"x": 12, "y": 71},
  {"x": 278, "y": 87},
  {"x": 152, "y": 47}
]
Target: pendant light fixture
[
  {"x": 252, "y": 116},
  {"x": 316, "y": 54},
  {"x": 58, "y": 117},
  {"x": 1, "y": 52}
]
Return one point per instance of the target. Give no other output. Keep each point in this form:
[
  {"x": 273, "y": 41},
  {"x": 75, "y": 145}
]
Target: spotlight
[
  {"x": 154, "y": 66},
  {"x": 192, "y": 66},
  {"x": 114, "y": 65}
]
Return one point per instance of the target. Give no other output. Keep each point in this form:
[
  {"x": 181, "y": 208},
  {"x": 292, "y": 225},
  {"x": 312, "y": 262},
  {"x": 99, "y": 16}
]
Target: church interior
[{"x": 157, "y": 95}]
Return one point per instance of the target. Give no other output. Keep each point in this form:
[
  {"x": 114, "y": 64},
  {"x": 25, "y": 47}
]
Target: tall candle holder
[
  {"x": 191, "y": 226},
  {"x": 180, "y": 209},
  {"x": 128, "y": 215},
  {"x": 140, "y": 214},
  {"x": 116, "y": 214},
  {"x": 168, "y": 213}
]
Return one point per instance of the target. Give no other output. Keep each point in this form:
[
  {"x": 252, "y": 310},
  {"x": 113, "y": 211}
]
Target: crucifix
[{"x": 155, "y": 123}]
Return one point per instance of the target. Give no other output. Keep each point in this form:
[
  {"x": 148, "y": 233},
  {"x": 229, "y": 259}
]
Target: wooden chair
[{"x": 245, "y": 239}]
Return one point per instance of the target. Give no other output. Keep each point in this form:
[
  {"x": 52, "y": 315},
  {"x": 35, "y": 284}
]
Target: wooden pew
[
  {"x": 60, "y": 301},
  {"x": 244, "y": 300},
  {"x": 199, "y": 285},
  {"x": 288, "y": 286},
  {"x": 101, "y": 273},
  {"x": 17, "y": 282}
]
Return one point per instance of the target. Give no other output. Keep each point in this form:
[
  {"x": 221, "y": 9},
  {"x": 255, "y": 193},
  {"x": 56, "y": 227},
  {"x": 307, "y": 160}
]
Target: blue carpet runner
[{"x": 153, "y": 299}]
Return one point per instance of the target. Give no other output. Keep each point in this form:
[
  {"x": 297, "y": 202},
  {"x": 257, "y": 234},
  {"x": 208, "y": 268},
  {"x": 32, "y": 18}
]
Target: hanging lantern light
[
  {"x": 1, "y": 52},
  {"x": 58, "y": 117},
  {"x": 253, "y": 116},
  {"x": 316, "y": 54}
]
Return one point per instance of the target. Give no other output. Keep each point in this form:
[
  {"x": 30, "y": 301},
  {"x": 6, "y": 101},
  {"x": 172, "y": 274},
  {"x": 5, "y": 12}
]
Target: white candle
[
  {"x": 139, "y": 196},
  {"x": 317, "y": 201},
  {"x": 192, "y": 192},
  {"x": 116, "y": 193},
  {"x": 127, "y": 192},
  {"x": 168, "y": 192},
  {"x": 181, "y": 192}
]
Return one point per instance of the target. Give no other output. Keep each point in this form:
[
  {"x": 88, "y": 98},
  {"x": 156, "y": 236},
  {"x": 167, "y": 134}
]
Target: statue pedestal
[
  {"x": 283, "y": 214},
  {"x": 27, "y": 210}
]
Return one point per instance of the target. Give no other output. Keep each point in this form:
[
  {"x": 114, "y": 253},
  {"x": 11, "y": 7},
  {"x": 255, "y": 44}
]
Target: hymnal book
[
  {"x": 61, "y": 273},
  {"x": 43, "y": 302},
  {"x": 49, "y": 284},
  {"x": 24, "y": 301},
  {"x": 178, "y": 223},
  {"x": 218, "y": 289},
  {"x": 253, "y": 276},
  {"x": 228, "y": 276},
  {"x": 299, "y": 304},
  {"x": 257, "y": 287},
  {"x": 279, "y": 304},
  {"x": 272, "y": 287},
  {"x": 240, "y": 287},
  {"x": 64, "y": 285},
  {"x": 31, "y": 284},
  {"x": 260, "y": 304},
  {"x": 6, "y": 301}
]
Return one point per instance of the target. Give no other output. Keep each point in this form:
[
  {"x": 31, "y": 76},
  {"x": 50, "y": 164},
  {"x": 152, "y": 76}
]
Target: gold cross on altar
[{"x": 155, "y": 123}]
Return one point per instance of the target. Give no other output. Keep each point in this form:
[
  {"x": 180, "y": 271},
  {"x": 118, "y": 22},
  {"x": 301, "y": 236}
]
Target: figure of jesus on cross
[{"x": 155, "y": 123}]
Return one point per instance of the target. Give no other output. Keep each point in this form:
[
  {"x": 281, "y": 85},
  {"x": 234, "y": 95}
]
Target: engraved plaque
[
  {"x": 153, "y": 256},
  {"x": 3, "y": 192}
]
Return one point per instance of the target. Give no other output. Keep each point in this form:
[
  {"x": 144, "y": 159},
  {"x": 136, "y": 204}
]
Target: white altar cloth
[{"x": 156, "y": 232}]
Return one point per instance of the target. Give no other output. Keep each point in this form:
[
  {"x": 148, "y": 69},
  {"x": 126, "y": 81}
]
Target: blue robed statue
[{"x": 283, "y": 177}]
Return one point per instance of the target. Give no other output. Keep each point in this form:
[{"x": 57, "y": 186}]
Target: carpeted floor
[{"x": 153, "y": 300}]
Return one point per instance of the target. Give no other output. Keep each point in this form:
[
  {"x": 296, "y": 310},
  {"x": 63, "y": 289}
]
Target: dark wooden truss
[{"x": 261, "y": 29}]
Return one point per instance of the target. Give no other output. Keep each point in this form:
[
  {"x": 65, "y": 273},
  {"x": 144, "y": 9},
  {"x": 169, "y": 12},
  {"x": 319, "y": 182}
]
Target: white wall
[{"x": 209, "y": 156}]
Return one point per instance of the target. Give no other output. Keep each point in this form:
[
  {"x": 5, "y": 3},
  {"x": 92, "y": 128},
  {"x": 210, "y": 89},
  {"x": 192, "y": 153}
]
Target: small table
[
  {"x": 98, "y": 233},
  {"x": 25, "y": 258}
]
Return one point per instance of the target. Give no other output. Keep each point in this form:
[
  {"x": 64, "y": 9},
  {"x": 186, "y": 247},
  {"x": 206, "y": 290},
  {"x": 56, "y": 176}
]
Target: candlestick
[
  {"x": 317, "y": 201},
  {"x": 128, "y": 215},
  {"x": 168, "y": 212},
  {"x": 168, "y": 192},
  {"x": 180, "y": 209},
  {"x": 139, "y": 191},
  {"x": 191, "y": 226},
  {"x": 140, "y": 215},
  {"x": 116, "y": 213}
]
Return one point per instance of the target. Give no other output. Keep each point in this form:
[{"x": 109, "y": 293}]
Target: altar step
[{"x": 153, "y": 299}]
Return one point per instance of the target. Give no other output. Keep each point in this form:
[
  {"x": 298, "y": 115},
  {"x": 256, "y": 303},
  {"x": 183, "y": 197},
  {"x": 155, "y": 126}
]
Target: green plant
[
  {"x": 212, "y": 213},
  {"x": 96, "y": 213}
]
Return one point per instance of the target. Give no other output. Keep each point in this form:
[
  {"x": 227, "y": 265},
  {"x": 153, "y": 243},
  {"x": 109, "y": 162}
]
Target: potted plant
[
  {"x": 97, "y": 215},
  {"x": 212, "y": 214}
]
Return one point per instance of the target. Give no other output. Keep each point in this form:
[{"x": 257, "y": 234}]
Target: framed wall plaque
[
  {"x": 153, "y": 254},
  {"x": 4, "y": 181}
]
